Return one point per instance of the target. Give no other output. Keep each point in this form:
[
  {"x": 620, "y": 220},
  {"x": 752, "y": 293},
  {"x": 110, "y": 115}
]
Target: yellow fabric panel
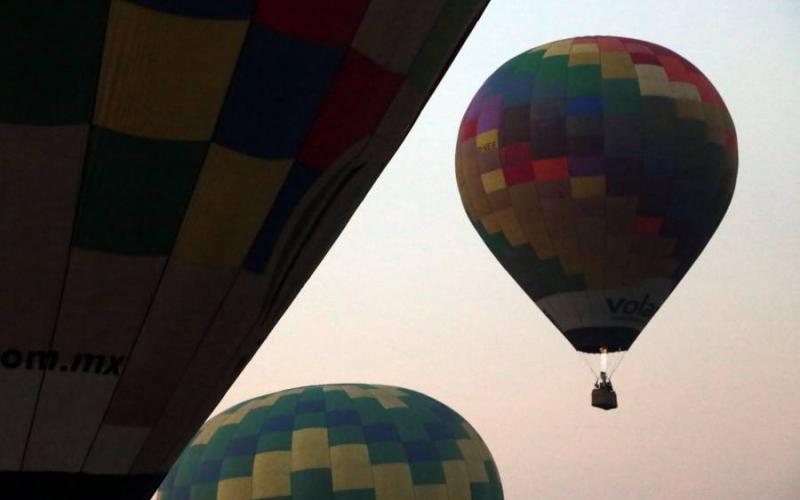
[
  {"x": 683, "y": 90},
  {"x": 209, "y": 429},
  {"x": 310, "y": 449},
  {"x": 350, "y": 467},
  {"x": 493, "y": 181},
  {"x": 238, "y": 415},
  {"x": 617, "y": 65},
  {"x": 528, "y": 211},
  {"x": 233, "y": 196},
  {"x": 389, "y": 401},
  {"x": 483, "y": 450},
  {"x": 165, "y": 76},
  {"x": 584, "y": 48},
  {"x": 588, "y": 187},
  {"x": 477, "y": 195},
  {"x": 239, "y": 488},
  {"x": 490, "y": 223},
  {"x": 357, "y": 392},
  {"x": 511, "y": 228},
  {"x": 654, "y": 88},
  {"x": 393, "y": 482},
  {"x": 584, "y": 58},
  {"x": 387, "y": 389},
  {"x": 472, "y": 457},
  {"x": 272, "y": 474},
  {"x": 431, "y": 492},
  {"x": 457, "y": 479},
  {"x": 651, "y": 72},
  {"x": 487, "y": 141},
  {"x": 559, "y": 48}
]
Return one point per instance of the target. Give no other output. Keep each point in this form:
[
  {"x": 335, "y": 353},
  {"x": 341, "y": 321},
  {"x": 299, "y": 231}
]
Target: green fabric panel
[
  {"x": 370, "y": 411},
  {"x": 274, "y": 441},
  {"x": 584, "y": 80},
  {"x": 241, "y": 466},
  {"x": 354, "y": 495},
  {"x": 312, "y": 484},
  {"x": 427, "y": 473},
  {"x": 309, "y": 420},
  {"x": 553, "y": 71},
  {"x": 438, "y": 47},
  {"x": 448, "y": 450},
  {"x": 621, "y": 95},
  {"x": 388, "y": 452},
  {"x": 218, "y": 444},
  {"x": 408, "y": 428},
  {"x": 345, "y": 434},
  {"x": 204, "y": 491},
  {"x": 50, "y": 52},
  {"x": 337, "y": 400},
  {"x": 135, "y": 193}
]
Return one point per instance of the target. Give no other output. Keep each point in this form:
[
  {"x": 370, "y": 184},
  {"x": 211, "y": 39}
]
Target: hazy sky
[{"x": 709, "y": 394}]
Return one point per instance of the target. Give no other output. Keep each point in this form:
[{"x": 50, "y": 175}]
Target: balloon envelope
[
  {"x": 336, "y": 441},
  {"x": 172, "y": 172},
  {"x": 596, "y": 169}
]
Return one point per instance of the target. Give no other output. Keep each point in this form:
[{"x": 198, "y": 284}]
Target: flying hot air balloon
[
  {"x": 596, "y": 169},
  {"x": 348, "y": 441},
  {"x": 171, "y": 173}
]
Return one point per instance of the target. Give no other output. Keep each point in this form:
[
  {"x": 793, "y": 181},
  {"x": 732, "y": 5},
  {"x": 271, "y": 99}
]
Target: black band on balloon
[
  {"x": 591, "y": 340},
  {"x": 30, "y": 485}
]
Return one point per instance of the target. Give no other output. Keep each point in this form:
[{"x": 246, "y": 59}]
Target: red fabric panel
[
  {"x": 551, "y": 169},
  {"x": 641, "y": 58},
  {"x": 675, "y": 69},
  {"x": 469, "y": 129},
  {"x": 354, "y": 107},
  {"x": 315, "y": 20},
  {"x": 608, "y": 44}
]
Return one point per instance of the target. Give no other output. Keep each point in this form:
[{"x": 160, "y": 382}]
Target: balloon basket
[{"x": 604, "y": 398}]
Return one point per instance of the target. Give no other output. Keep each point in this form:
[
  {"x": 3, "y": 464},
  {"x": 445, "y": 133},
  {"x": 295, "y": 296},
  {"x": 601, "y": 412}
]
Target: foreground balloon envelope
[
  {"x": 596, "y": 169},
  {"x": 172, "y": 171},
  {"x": 351, "y": 441}
]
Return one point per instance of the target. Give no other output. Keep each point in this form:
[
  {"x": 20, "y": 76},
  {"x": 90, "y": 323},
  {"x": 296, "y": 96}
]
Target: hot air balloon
[
  {"x": 596, "y": 170},
  {"x": 351, "y": 441},
  {"x": 171, "y": 173}
]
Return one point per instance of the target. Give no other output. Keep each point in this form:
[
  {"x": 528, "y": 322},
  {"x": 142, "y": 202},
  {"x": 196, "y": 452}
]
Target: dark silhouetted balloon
[{"x": 171, "y": 173}]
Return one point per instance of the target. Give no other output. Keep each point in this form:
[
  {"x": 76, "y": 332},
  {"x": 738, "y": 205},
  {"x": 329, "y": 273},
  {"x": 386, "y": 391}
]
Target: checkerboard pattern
[
  {"x": 342, "y": 442},
  {"x": 173, "y": 171},
  {"x": 596, "y": 163}
]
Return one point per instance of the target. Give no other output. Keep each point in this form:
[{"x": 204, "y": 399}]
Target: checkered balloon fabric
[
  {"x": 342, "y": 442},
  {"x": 596, "y": 169}
]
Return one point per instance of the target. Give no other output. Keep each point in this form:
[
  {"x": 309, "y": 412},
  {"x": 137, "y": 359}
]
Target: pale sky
[{"x": 709, "y": 398}]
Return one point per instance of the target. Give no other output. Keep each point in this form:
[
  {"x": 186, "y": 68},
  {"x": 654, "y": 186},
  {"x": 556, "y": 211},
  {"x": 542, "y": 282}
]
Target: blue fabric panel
[{"x": 277, "y": 89}]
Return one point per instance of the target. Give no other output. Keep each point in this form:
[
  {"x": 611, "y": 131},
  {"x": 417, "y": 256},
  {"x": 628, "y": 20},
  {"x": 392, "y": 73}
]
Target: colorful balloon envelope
[
  {"x": 353, "y": 441},
  {"x": 172, "y": 172},
  {"x": 596, "y": 170}
]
